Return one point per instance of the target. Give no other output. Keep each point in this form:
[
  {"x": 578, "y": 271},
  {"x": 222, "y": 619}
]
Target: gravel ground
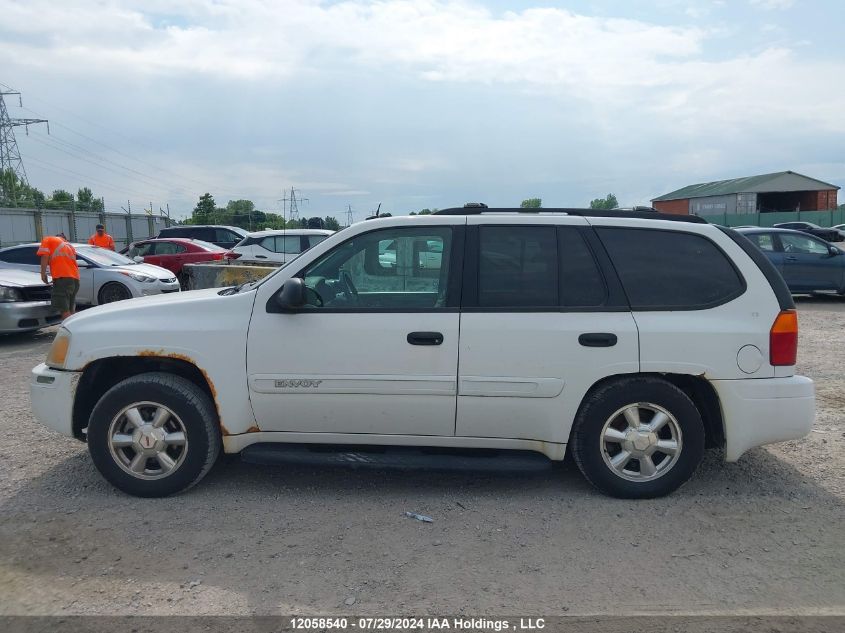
[{"x": 762, "y": 536}]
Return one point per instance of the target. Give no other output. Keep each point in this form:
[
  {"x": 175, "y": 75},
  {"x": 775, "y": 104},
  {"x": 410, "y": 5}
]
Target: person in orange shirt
[
  {"x": 60, "y": 256},
  {"x": 101, "y": 238}
]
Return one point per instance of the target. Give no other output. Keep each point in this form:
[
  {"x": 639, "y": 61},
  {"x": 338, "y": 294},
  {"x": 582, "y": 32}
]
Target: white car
[
  {"x": 276, "y": 247},
  {"x": 24, "y": 302},
  {"x": 634, "y": 339},
  {"x": 104, "y": 276}
]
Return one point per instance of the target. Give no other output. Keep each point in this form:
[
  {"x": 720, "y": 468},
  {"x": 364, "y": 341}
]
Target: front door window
[{"x": 394, "y": 268}]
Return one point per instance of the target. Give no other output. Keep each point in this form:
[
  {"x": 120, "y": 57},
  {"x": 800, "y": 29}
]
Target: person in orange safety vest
[
  {"x": 60, "y": 256},
  {"x": 101, "y": 238}
]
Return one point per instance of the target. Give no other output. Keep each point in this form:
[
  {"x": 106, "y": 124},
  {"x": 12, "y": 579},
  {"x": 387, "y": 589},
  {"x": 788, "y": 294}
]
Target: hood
[
  {"x": 19, "y": 278},
  {"x": 146, "y": 269},
  {"x": 194, "y": 303}
]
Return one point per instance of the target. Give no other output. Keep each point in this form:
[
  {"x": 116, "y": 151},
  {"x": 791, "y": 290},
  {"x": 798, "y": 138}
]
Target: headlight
[
  {"x": 7, "y": 295},
  {"x": 139, "y": 277},
  {"x": 58, "y": 350}
]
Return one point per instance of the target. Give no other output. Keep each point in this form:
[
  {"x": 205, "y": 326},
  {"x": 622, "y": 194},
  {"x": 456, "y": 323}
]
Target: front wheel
[
  {"x": 113, "y": 291},
  {"x": 638, "y": 438},
  {"x": 153, "y": 435}
]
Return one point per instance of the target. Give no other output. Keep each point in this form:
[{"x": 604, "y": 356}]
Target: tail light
[
  {"x": 783, "y": 339},
  {"x": 231, "y": 255}
]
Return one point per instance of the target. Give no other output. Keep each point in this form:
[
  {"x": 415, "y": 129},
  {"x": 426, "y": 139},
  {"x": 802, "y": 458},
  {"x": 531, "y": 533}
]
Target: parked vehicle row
[
  {"x": 632, "y": 339},
  {"x": 276, "y": 247},
  {"x": 832, "y": 234},
  {"x": 104, "y": 276}
]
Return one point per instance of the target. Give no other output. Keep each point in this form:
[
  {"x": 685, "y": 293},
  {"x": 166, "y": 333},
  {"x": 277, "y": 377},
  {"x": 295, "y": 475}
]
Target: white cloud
[{"x": 773, "y": 4}]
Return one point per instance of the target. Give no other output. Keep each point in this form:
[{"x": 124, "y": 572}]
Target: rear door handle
[
  {"x": 791, "y": 258},
  {"x": 425, "y": 338},
  {"x": 597, "y": 339}
]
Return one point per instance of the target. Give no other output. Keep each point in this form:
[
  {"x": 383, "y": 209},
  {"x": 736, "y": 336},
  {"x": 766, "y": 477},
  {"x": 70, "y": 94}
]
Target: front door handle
[
  {"x": 425, "y": 338},
  {"x": 791, "y": 258},
  {"x": 597, "y": 339}
]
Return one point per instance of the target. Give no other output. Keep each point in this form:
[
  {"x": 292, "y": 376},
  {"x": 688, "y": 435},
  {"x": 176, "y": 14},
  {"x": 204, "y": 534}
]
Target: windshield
[{"x": 104, "y": 257}]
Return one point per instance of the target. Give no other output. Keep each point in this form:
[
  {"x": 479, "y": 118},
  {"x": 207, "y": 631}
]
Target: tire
[
  {"x": 186, "y": 408},
  {"x": 602, "y": 435},
  {"x": 113, "y": 291}
]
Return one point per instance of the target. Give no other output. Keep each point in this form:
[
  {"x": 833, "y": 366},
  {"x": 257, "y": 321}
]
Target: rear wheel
[
  {"x": 638, "y": 438},
  {"x": 153, "y": 435},
  {"x": 113, "y": 291}
]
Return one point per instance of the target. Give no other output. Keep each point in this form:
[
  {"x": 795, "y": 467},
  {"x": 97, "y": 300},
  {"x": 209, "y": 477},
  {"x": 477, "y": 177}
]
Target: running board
[{"x": 395, "y": 457}]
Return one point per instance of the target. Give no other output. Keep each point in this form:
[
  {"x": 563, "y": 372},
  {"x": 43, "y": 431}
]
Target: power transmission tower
[
  {"x": 294, "y": 205},
  {"x": 349, "y": 219},
  {"x": 10, "y": 156}
]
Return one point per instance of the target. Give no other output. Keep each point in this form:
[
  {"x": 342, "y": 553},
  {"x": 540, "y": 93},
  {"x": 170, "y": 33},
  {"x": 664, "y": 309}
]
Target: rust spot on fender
[
  {"x": 253, "y": 429},
  {"x": 147, "y": 353}
]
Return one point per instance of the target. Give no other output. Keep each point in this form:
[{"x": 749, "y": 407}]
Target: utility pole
[{"x": 10, "y": 156}]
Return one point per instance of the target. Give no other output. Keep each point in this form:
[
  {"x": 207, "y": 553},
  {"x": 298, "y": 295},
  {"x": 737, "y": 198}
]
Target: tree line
[
  {"x": 243, "y": 214},
  {"x": 17, "y": 194}
]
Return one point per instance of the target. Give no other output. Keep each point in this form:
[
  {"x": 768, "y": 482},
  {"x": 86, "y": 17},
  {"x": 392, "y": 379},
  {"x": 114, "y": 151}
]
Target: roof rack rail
[{"x": 642, "y": 213}]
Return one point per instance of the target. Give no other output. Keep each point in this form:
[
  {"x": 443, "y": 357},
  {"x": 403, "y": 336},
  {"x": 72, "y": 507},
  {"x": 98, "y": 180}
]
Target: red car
[{"x": 173, "y": 253}]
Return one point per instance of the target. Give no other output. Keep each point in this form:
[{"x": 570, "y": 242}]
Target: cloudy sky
[{"x": 422, "y": 103}]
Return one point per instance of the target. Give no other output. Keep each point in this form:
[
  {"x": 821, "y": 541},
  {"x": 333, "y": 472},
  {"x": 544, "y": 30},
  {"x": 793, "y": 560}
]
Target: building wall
[
  {"x": 676, "y": 207},
  {"x": 713, "y": 204}
]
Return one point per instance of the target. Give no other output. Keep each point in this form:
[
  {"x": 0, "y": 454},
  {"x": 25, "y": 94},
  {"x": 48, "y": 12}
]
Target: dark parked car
[
  {"x": 807, "y": 263},
  {"x": 223, "y": 236},
  {"x": 829, "y": 234}
]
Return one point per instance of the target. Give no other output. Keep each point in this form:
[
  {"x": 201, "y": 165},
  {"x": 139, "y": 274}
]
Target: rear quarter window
[{"x": 671, "y": 270}]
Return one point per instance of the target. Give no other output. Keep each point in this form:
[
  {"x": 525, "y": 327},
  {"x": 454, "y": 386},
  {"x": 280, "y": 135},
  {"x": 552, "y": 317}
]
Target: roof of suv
[
  {"x": 236, "y": 229},
  {"x": 270, "y": 232},
  {"x": 642, "y": 213}
]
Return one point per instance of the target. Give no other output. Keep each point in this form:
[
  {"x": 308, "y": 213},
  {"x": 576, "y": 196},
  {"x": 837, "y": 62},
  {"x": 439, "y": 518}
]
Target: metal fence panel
[
  {"x": 140, "y": 228},
  {"x": 53, "y": 223},
  {"x": 17, "y": 227},
  {"x": 86, "y": 225}
]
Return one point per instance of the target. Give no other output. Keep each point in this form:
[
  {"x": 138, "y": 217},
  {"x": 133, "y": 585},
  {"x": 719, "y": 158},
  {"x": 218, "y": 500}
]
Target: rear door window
[
  {"x": 581, "y": 282},
  {"x": 671, "y": 270},
  {"x": 168, "y": 248},
  {"x": 518, "y": 267}
]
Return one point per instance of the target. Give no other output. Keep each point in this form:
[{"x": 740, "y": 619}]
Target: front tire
[
  {"x": 154, "y": 434},
  {"x": 638, "y": 438},
  {"x": 113, "y": 291}
]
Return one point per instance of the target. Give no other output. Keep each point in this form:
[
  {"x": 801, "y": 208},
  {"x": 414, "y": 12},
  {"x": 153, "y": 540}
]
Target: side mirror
[
  {"x": 138, "y": 259},
  {"x": 833, "y": 251},
  {"x": 292, "y": 295}
]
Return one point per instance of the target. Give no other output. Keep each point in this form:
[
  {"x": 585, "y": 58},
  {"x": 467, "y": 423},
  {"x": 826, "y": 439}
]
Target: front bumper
[
  {"x": 51, "y": 393},
  {"x": 764, "y": 410},
  {"x": 25, "y": 316},
  {"x": 159, "y": 287}
]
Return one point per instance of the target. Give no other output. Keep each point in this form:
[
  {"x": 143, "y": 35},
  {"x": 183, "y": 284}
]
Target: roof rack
[{"x": 643, "y": 213}]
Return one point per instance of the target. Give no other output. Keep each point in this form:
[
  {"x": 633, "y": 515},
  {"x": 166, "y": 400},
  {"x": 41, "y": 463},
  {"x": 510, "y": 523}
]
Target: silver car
[
  {"x": 104, "y": 276},
  {"x": 24, "y": 302}
]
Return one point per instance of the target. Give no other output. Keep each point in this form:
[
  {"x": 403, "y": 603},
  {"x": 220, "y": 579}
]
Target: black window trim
[
  {"x": 674, "y": 308},
  {"x": 453, "y": 282},
  {"x": 615, "y": 299}
]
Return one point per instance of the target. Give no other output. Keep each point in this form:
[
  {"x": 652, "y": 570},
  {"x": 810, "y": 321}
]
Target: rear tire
[
  {"x": 113, "y": 291},
  {"x": 638, "y": 438},
  {"x": 154, "y": 434}
]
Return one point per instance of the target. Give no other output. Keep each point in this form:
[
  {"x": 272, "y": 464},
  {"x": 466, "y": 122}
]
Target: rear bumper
[
  {"x": 25, "y": 316},
  {"x": 762, "y": 411},
  {"x": 51, "y": 393}
]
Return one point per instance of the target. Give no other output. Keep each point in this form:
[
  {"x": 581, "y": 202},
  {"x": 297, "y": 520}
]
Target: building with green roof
[{"x": 780, "y": 191}]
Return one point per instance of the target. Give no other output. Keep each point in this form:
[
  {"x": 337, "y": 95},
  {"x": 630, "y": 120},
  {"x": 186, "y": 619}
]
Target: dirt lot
[{"x": 763, "y": 536}]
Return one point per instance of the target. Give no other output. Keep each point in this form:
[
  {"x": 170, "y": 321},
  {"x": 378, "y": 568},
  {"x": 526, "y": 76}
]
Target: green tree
[
  {"x": 531, "y": 203},
  {"x": 331, "y": 223},
  {"x": 87, "y": 202},
  {"x": 60, "y": 199},
  {"x": 610, "y": 202},
  {"x": 14, "y": 193},
  {"x": 204, "y": 212}
]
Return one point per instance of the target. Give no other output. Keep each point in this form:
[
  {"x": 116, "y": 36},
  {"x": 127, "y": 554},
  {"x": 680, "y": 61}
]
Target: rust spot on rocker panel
[{"x": 253, "y": 429}]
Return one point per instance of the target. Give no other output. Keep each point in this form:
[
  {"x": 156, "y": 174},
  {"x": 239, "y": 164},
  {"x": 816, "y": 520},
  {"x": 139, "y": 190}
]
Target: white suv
[
  {"x": 276, "y": 247},
  {"x": 636, "y": 339}
]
